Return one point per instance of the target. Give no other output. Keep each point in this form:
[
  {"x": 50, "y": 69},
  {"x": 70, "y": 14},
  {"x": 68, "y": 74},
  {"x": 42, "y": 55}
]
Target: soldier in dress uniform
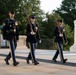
[
  {"x": 33, "y": 37},
  {"x": 60, "y": 37},
  {"x": 11, "y": 29}
]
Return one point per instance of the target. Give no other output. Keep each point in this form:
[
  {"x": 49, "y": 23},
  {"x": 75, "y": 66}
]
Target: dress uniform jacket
[
  {"x": 11, "y": 29},
  {"x": 32, "y": 38},
  {"x": 57, "y": 31}
]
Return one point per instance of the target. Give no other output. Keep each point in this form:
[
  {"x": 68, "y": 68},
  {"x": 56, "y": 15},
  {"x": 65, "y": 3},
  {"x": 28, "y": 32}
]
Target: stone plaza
[{"x": 46, "y": 66}]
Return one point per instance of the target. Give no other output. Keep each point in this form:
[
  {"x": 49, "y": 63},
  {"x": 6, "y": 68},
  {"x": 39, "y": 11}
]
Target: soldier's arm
[
  {"x": 28, "y": 30},
  {"x": 56, "y": 33}
]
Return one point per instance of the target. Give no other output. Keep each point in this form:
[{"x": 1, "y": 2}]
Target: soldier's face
[
  {"x": 11, "y": 15},
  {"x": 32, "y": 20},
  {"x": 60, "y": 23}
]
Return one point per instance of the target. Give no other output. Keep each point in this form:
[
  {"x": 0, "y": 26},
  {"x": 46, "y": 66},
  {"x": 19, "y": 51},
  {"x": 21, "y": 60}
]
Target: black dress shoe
[
  {"x": 36, "y": 63},
  {"x": 54, "y": 60},
  {"x": 64, "y": 61},
  {"x": 16, "y": 63},
  {"x": 27, "y": 60},
  {"x": 6, "y": 60}
]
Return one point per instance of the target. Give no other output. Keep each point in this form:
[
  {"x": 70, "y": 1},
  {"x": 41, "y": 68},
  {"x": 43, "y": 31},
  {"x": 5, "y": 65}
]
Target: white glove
[
  {"x": 61, "y": 35},
  {"x": 32, "y": 33},
  {"x": 16, "y": 23},
  {"x": 36, "y": 28},
  {"x": 39, "y": 41},
  {"x": 63, "y": 30}
]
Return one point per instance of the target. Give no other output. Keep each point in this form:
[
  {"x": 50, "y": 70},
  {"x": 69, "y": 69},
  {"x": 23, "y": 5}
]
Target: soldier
[
  {"x": 59, "y": 33},
  {"x": 32, "y": 38},
  {"x": 11, "y": 29}
]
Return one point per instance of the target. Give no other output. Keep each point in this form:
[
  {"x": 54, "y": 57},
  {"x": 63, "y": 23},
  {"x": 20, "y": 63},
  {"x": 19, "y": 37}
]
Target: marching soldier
[
  {"x": 32, "y": 38},
  {"x": 11, "y": 35},
  {"x": 59, "y": 33}
]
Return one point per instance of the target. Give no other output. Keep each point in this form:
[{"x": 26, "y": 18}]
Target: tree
[
  {"x": 22, "y": 8},
  {"x": 6, "y": 6},
  {"x": 49, "y": 24},
  {"x": 47, "y": 31},
  {"x": 70, "y": 37},
  {"x": 27, "y": 8},
  {"x": 67, "y": 11}
]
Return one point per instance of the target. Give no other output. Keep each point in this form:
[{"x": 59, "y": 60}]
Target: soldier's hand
[
  {"x": 32, "y": 33},
  {"x": 61, "y": 35},
  {"x": 14, "y": 30},
  {"x": 16, "y": 23},
  {"x": 40, "y": 41}
]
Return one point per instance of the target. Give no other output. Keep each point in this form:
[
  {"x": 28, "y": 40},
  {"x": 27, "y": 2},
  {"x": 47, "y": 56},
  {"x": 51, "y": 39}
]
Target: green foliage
[
  {"x": 22, "y": 8},
  {"x": 28, "y": 7},
  {"x": 70, "y": 37},
  {"x": 68, "y": 11},
  {"x": 6, "y": 6},
  {"x": 46, "y": 22},
  {"x": 47, "y": 30},
  {"x": 49, "y": 24},
  {"x": 47, "y": 44}
]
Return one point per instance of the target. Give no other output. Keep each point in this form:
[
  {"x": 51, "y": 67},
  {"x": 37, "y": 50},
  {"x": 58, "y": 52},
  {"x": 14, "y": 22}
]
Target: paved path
[{"x": 46, "y": 66}]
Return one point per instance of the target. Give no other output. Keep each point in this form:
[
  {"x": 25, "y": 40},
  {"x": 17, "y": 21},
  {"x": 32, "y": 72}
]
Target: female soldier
[
  {"x": 32, "y": 38},
  {"x": 59, "y": 33}
]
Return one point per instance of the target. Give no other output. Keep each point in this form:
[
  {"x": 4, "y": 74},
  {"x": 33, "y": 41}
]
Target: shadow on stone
[{"x": 47, "y": 61}]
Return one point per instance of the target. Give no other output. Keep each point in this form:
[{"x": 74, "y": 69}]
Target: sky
[{"x": 49, "y": 5}]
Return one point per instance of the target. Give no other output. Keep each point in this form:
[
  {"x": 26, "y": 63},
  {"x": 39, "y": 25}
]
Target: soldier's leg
[
  {"x": 12, "y": 46},
  {"x": 15, "y": 43},
  {"x": 32, "y": 49},
  {"x": 29, "y": 56},
  {"x": 9, "y": 55},
  {"x": 61, "y": 50},
  {"x": 32, "y": 45},
  {"x": 56, "y": 55}
]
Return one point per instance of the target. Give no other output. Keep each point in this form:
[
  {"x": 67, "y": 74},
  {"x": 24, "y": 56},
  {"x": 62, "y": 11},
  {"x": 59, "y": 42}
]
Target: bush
[{"x": 47, "y": 44}]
